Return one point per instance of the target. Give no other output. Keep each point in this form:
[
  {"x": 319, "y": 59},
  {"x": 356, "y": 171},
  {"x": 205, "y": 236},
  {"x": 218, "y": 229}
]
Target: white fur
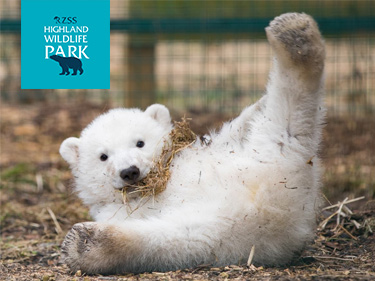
[{"x": 256, "y": 184}]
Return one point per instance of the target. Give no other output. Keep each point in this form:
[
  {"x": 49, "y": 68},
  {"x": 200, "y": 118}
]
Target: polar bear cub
[{"x": 255, "y": 185}]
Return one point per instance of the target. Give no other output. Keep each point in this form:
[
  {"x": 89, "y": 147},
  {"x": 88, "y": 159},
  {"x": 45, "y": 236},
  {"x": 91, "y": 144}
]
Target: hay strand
[{"x": 156, "y": 181}]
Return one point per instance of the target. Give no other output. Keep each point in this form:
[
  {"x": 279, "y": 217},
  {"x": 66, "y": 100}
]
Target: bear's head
[
  {"x": 54, "y": 57},
  {"x": 115, "y": 151}
]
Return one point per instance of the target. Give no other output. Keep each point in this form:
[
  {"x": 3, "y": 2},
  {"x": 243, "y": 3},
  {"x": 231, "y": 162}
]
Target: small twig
[
  {"x": 347, "y": 232},
  {"x": 338, "y": 212},
  {"x": 366, "y": 224},
  {"x": 324, "y": 223},
  {"x": 252, "y": 251},
  {"x": 333, "y": 258},
  {"x": 58, "y": 227},
  {"x": 347, "y": 202},
  {"x": 342, "y": 211},
  {"x": 356, "y": 224},
  {"x": 347, "y": 210},
  {"x": 325, "y": 198},
  {"x": 39, "y": 183}
]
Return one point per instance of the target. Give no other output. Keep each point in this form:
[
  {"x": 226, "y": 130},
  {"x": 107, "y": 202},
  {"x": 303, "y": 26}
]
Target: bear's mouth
[
  {"x": 129, "y": 189},
  {"x": 130, "y": 192}
]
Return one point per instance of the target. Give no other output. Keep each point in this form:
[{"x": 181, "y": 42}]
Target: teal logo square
[{"x": 65, "y": 44}]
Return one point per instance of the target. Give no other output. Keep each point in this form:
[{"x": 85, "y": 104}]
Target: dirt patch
[
  {"x": 348, "y": 157},
  {"x": 38, "y": 206}
]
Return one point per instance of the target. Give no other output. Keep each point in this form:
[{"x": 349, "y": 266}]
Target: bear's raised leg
[
  {"x": 80, "y": 70},
  {"x": 295, "y": 88}
]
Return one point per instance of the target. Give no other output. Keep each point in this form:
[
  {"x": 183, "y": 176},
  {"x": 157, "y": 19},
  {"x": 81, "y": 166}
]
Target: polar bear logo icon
[{"x": 69, "y": 62}]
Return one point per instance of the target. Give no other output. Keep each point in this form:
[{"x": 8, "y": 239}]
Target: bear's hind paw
[{"x": 296, "y": 38}]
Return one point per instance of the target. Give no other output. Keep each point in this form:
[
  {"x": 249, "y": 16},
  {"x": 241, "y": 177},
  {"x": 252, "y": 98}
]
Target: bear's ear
[
  {"x": 160, "y": 113},
  {"x": 69, "y": 150}
]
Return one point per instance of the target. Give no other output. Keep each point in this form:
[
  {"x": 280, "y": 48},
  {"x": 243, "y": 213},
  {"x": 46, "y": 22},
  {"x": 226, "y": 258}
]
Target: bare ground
[{"x": 38, "y": 207}]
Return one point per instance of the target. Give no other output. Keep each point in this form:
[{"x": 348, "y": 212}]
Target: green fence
[{"x": 208, "y": 55}]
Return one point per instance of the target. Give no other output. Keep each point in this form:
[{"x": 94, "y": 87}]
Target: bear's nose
[{"x": 130, "y": 174}]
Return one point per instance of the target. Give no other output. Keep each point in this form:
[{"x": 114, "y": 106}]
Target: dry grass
[{"x": 156, "y": 181}]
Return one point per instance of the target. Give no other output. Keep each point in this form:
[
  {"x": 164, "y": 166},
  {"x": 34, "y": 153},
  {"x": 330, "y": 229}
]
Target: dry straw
[{"x": 156, "y": 181}]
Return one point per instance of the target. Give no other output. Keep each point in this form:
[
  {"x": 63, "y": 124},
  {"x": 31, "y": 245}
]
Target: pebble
[{"x": 224, "y": 275}]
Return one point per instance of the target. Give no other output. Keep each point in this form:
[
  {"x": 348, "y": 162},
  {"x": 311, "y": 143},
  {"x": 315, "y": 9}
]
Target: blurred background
[
  {"x": 203, "y": 59},
  {"x": 208, "y": 55}
]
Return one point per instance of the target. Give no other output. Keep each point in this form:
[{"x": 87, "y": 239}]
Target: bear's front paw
[
  {"x": 77, "y": 245},
  {"x": 296, "y": 38}
]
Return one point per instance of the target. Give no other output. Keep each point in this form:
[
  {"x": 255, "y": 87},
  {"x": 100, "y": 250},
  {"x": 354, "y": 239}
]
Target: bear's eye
[
  {"x": 140, "y": 144},
  {"x": 103, "y": 157}
]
